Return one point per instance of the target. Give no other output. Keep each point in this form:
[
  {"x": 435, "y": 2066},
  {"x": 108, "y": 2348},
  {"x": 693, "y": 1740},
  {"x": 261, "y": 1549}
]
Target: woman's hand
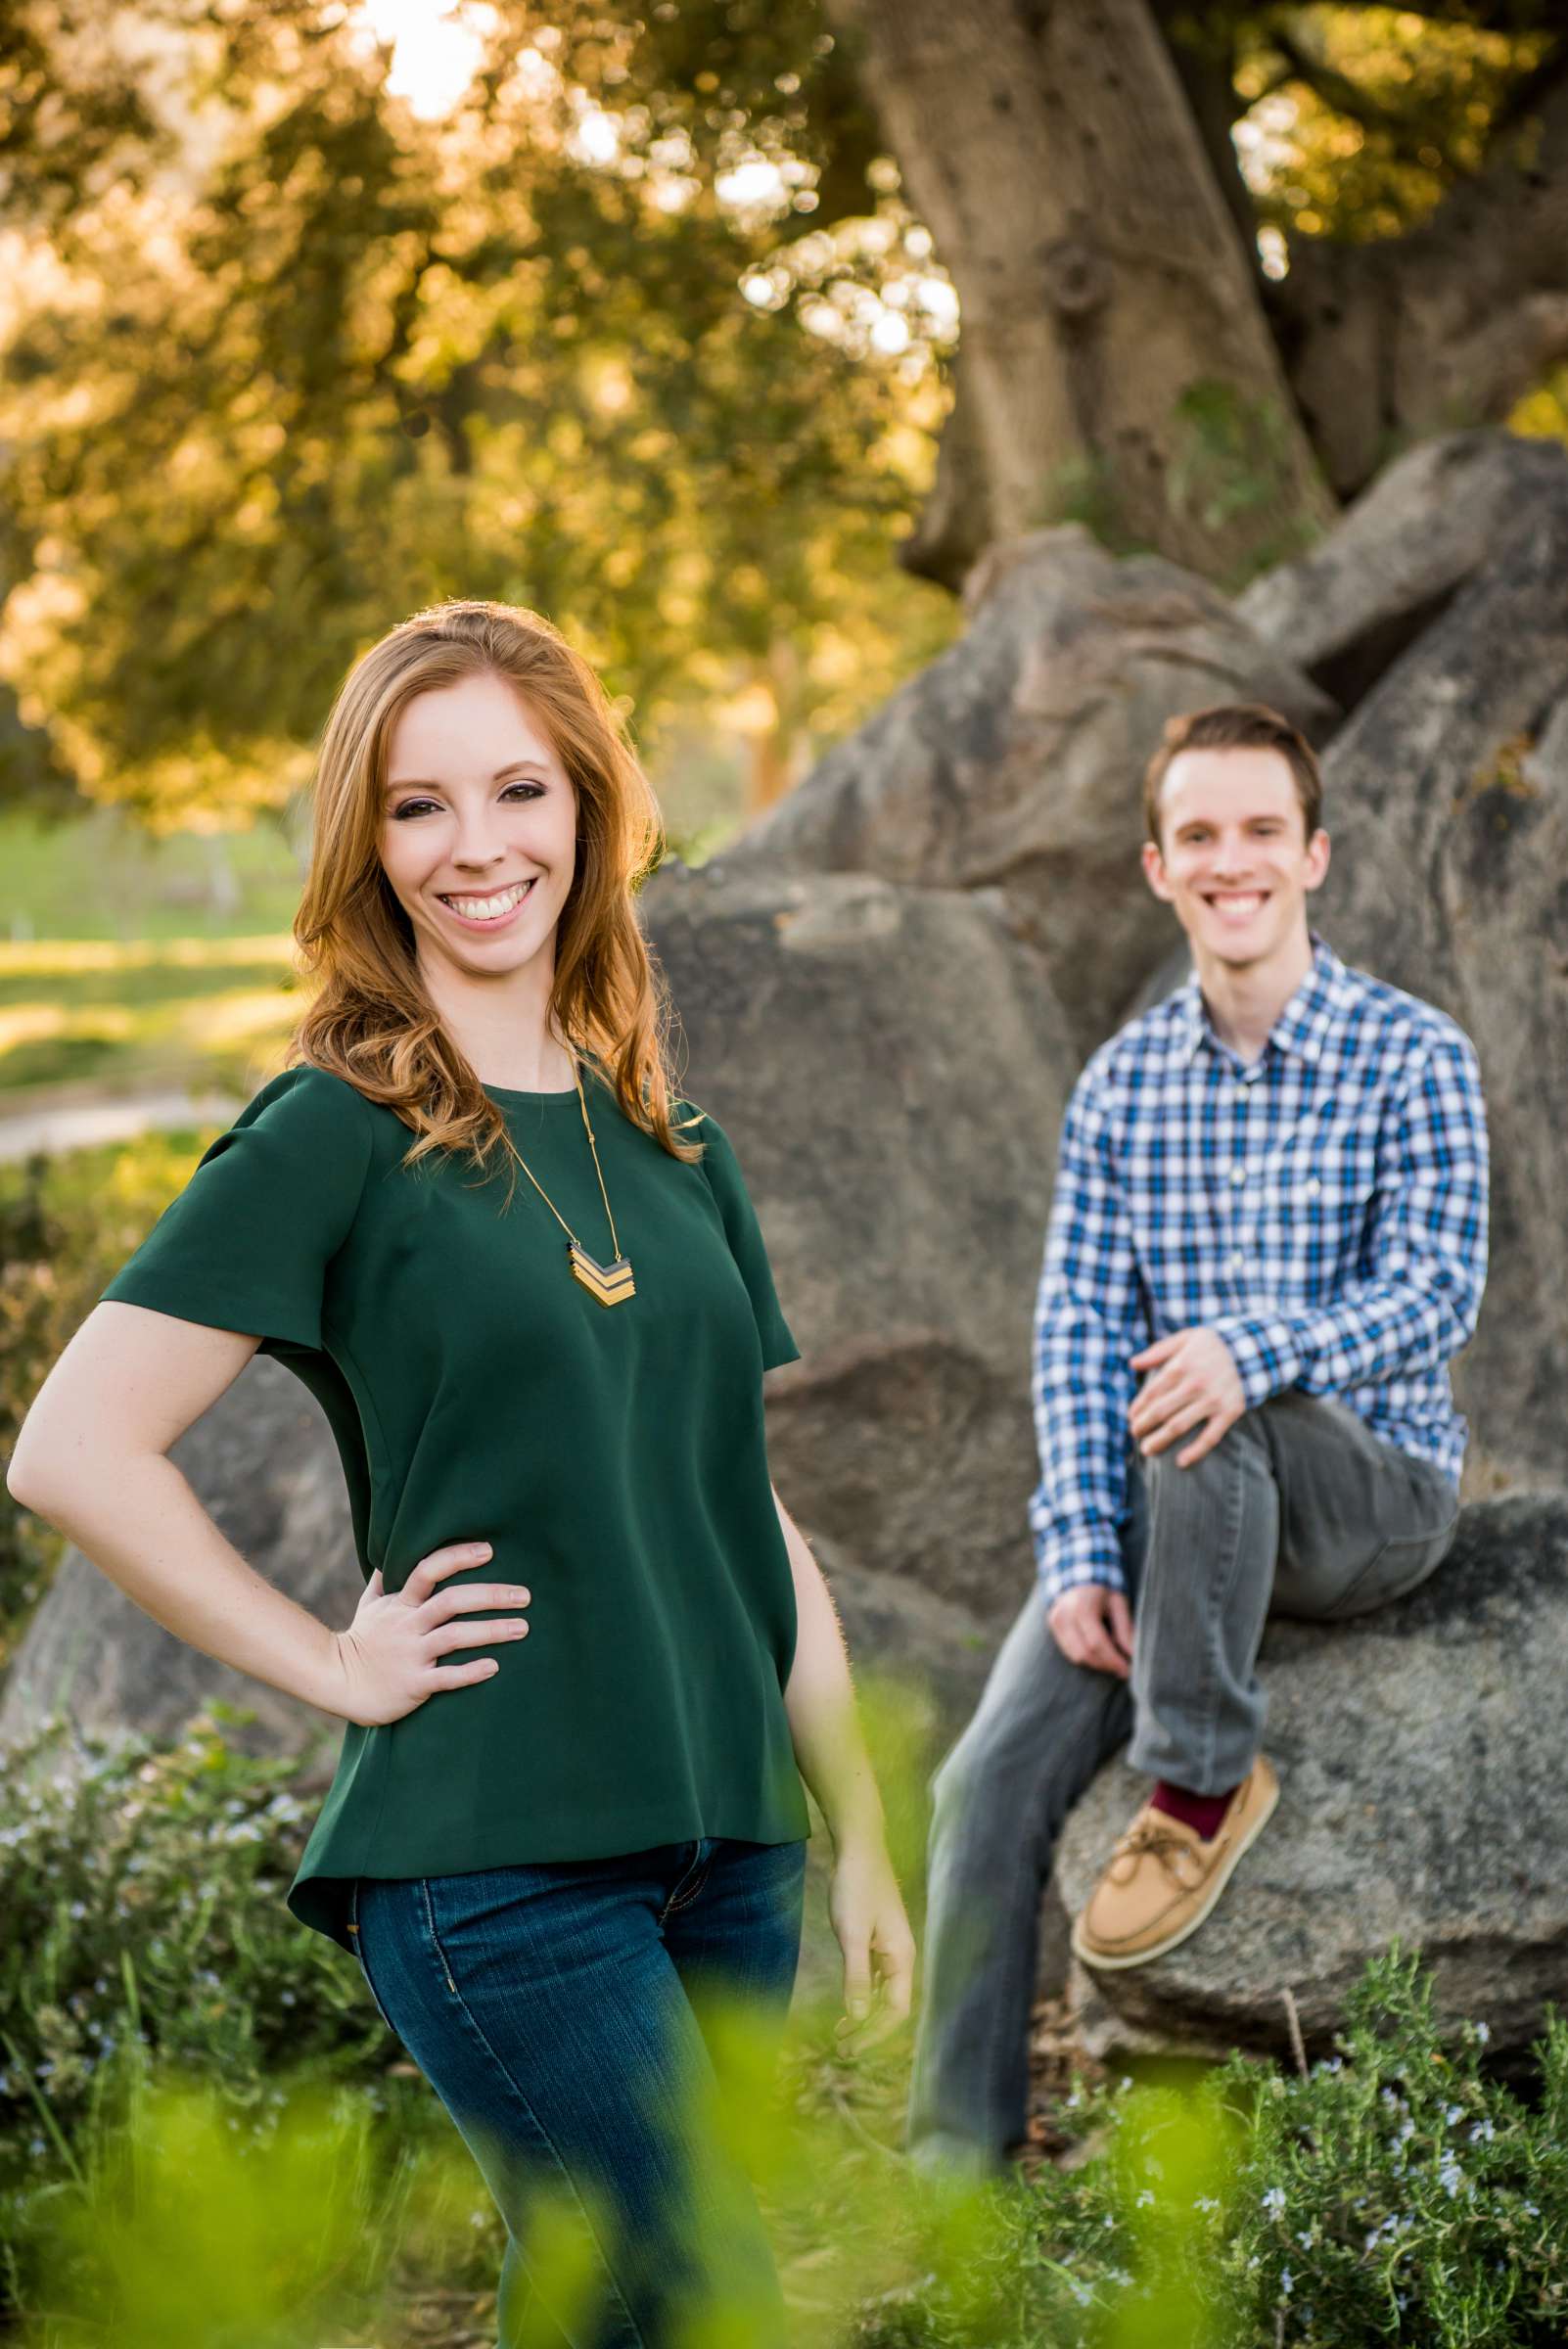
[
  {"x": 866, "y": 1911},
  {"x": 389, "y": 1658}
]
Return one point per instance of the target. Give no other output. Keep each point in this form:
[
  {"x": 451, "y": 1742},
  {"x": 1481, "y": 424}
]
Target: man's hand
[
  {"x": 1196, "y": 1384},
  {"x": 1092, "y": 1625}
]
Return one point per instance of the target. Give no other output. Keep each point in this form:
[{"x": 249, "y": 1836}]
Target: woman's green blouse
[{"x": 614, "y": 1457}]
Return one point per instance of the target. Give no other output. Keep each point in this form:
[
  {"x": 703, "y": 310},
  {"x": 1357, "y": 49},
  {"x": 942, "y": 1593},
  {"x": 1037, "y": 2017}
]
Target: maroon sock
[{"x": 1201, "y": 1811}]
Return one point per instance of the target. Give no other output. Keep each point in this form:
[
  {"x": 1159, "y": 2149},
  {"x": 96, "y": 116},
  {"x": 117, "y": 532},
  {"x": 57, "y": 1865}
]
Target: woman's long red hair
[{"x": 370, "y": 1019}]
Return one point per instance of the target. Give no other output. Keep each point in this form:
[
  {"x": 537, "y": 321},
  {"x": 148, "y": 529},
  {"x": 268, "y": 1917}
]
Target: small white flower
[
  {"x": 1483, "y": 2032},
  {"x": 1274, "y": 2200},
  {"x": 1287, "y": 2281}
]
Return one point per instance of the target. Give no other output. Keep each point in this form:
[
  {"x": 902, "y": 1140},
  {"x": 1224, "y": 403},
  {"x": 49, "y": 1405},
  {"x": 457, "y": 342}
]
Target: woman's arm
[
  {"x": 91, "y": 1458},
  {"x": 865, "y": 1905},
  {"x": 820, "y": 1703}
]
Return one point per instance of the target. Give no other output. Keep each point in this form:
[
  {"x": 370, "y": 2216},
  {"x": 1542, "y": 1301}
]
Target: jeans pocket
[
  {"x": 1398, "y": 1566},
  {"x": 356, "y": 1934}
]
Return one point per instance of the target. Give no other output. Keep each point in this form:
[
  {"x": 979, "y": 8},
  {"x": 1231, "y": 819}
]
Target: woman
[{"x": 594, "y": 1654}]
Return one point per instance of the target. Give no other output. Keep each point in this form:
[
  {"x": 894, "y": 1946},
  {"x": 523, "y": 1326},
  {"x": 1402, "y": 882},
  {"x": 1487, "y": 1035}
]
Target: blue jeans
[{"x": 570, "y": 2015}]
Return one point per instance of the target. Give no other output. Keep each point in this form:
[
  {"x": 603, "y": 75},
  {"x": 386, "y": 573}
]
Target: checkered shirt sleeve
[{"x": 1089, "y": 1320}]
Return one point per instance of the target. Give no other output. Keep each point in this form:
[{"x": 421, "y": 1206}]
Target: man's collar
[{"x": 1304, "y": 1023}]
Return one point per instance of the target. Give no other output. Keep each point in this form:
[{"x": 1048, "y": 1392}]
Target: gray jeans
[{"x": 1299, "y": 1509}]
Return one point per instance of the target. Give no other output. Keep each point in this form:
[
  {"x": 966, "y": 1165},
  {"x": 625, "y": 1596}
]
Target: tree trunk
[{"x": 1116, "y": 359}]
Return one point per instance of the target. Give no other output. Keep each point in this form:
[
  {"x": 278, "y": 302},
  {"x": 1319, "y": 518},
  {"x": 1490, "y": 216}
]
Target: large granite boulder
[
  {"x": 1422, "y": 1797},
  {"x": 1431, "y": 520},
  {"x": 892, "y": 1066},
  {"x": 1016, "y": 759}
]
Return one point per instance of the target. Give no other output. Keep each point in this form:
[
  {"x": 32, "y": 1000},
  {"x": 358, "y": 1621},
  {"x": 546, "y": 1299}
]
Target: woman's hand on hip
[
  {"x": 866, "y": 1911},
  {"x": 390, "y": 1658}
]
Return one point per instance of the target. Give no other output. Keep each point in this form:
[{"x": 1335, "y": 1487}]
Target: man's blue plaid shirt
[{"x": 1324, "y": 1208}]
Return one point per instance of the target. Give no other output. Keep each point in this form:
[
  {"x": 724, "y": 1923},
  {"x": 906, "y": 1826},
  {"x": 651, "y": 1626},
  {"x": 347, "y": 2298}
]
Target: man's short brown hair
[{"x": 1235, "y": 726}]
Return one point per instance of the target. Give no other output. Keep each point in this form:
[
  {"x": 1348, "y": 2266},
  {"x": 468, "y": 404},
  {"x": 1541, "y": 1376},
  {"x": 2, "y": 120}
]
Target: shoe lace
[{"x": 1163, "y": 1840}]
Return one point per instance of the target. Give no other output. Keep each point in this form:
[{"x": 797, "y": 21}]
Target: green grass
[
  {"x": 184, "y": 1012},
  {"x": 100, "y": 875},
  {"x": 123, "y": 967}
]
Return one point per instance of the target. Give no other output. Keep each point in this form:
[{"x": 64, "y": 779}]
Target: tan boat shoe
[{"x": 1163, "y": 1879}]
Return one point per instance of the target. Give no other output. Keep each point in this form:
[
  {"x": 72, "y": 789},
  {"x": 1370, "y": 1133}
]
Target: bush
[
  {"x": 1393, "y": 2194},
  {"x": 1396, "y": 2193},
  {"x": 141, "y": 1889}
]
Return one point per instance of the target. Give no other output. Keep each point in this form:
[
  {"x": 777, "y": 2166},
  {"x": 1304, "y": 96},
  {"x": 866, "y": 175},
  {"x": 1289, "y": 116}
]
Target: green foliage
[
  {"x": 192, "y": 2221},
  {"x": 1232, "y": 456},
  {"x": 363, "y": 359},
  {"x": 200, "y": 2137},
  {"x": 142, "y": 1886},
  {"x": 95, "y": 873},
  {"x": 1363, "y": 118},
  {"x": 1394, "y": 2194}
]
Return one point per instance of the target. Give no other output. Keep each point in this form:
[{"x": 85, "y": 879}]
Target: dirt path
[{"x": 76, "y": 1124}]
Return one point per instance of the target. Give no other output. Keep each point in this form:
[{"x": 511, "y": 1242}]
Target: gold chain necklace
[{"x": 611, "y": 1283}]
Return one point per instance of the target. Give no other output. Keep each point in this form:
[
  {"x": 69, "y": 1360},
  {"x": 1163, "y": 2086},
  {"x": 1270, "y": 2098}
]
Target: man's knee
[{"x": 1244, "y": 1444}]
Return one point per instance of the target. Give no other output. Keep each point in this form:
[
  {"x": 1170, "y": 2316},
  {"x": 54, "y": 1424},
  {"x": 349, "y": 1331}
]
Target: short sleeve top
[{"x": 614, "y": 1457}]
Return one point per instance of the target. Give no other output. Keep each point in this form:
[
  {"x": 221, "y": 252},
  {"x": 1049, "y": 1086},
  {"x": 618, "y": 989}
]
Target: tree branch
[
  {"x": 1337, "y": 90},
  {"x": 1447, "y": 324}
]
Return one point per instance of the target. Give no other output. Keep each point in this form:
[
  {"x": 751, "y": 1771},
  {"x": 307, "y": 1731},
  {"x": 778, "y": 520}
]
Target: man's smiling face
[{"x": 1234, "y": 857}]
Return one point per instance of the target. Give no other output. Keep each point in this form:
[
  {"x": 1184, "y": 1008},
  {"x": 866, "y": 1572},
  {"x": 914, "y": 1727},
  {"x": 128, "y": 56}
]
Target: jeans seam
[
  {"x": 671, "y": 1907},
  {"x": 360, "y": 1955},
  {"x": 992, "y": 2017},
  {"x": 672, "y": 1904},
  {"x": 1236, "y": 1499},
  {"x": 1444, "y": 1534},
  {"x": 473, "y": 2023},
  {"x": 1210, "y": 1651}
]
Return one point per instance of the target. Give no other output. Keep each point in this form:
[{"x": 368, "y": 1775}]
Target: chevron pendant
[{"x": 610, "y": 1284}]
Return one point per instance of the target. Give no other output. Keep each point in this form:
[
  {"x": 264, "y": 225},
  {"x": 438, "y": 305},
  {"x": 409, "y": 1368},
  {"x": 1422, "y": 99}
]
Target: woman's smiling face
[{"x": 478, "y": 827}]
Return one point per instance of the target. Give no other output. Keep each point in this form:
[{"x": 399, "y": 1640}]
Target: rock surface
[
  {"x": 892, "y": 1066},
  {"x": 1015, "y": 759},
  {"x": 1422, "y": 1797},
  {"x": 1388, "y": 568}
]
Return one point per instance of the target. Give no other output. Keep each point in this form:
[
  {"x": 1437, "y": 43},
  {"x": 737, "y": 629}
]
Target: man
[{"x": 1268, "y": 1237}]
